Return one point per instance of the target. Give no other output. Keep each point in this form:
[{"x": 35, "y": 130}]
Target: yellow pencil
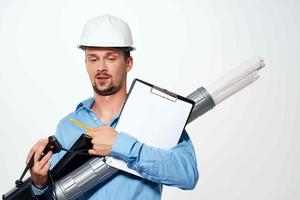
[{"x": 81, "y": 125}]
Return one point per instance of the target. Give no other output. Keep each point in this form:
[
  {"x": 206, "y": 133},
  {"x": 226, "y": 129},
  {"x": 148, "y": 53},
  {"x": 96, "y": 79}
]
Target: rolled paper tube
[
  {"x": 222, "y": 95},
  {"x": 235, "y": 75}
]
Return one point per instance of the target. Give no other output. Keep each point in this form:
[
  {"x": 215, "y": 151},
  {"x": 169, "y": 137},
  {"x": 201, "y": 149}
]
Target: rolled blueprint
[
  {"x": 96, "y": 171},
  {"x": 234, "y": 77},
  {"x": 221, "y": 96}
]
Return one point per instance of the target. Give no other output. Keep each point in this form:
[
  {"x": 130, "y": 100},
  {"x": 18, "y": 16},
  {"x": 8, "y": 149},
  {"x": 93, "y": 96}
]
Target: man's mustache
[{"x": 102, "y": 75}]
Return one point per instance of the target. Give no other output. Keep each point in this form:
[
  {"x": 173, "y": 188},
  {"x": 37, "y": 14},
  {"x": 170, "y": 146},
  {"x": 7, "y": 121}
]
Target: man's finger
[
  {"x": 31, "y": 152},
  {"x": 92, "y": 152},
  {"x": 46, "y": 168},
  {"x": 41, "y": 164},
  {"x": 45, "y": 159},
  {"x": 40, "y": 150},
  {"x": 93, "y": 141},
  {"x": 90, "y": 133}
]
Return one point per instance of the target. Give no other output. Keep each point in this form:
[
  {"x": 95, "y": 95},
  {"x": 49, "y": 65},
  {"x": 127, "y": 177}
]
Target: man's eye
[
  {"x": 92, "y": 59},
  {"x": 111, "y": 58}
]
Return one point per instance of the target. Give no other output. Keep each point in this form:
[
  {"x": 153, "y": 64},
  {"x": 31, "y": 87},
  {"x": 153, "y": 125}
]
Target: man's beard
[{"x": 110, "y": 90}]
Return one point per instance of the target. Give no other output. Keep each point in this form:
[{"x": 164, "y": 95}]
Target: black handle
[{"x": 53, "y": 145}]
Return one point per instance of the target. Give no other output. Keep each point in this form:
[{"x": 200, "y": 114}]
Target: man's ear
[
  {"x": 129, "y": 64},
  {"x": 85, "y": 57}
]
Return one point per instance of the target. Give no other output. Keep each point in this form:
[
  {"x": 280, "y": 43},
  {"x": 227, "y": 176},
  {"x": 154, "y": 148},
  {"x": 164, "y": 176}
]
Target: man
[{"x": 107, "y": 42}]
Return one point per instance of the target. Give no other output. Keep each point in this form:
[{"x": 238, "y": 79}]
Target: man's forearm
[{"x": 176, "y": 167}]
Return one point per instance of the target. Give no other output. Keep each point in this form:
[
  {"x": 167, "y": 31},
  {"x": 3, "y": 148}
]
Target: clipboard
[{"x": 154, "y": 116}]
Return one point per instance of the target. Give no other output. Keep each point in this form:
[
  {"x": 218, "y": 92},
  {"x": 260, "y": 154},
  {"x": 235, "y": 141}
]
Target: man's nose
[{"x": 101, "y": 66}]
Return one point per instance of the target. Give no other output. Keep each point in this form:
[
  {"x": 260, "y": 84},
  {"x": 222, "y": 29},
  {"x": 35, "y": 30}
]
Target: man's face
[{"x": 107, "y": 69}]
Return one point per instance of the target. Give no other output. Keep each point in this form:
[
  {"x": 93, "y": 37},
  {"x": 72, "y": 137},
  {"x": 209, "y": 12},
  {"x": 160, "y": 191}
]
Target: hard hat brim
[{"x": 84, "y": 47}]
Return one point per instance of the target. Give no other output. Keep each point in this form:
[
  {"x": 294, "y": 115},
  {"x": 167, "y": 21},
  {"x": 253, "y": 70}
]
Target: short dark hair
[{"x": 125, "y": 50}]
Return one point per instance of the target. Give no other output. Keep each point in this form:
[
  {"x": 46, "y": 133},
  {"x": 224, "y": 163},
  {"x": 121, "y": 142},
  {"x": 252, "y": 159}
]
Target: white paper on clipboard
[{"x": 154, "y": 116}]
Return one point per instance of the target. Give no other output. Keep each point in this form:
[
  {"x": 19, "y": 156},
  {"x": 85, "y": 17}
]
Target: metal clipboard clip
[{"x": 164, "y": 93}]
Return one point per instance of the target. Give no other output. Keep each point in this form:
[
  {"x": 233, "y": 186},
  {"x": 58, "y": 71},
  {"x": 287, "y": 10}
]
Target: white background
[{"x": 247, "y": 147}]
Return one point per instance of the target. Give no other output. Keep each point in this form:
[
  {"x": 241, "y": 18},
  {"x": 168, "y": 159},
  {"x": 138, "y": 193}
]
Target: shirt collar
[{"x": 87, "y": 104}]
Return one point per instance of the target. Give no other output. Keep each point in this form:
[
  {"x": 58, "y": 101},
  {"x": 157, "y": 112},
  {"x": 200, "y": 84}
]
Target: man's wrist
[
  {"x": 38, "y": 191},
  {"x": 39, "y": 186}
]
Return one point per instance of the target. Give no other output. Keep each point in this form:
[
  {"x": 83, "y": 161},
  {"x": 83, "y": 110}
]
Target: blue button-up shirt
[{"x": 175, "y": 167}]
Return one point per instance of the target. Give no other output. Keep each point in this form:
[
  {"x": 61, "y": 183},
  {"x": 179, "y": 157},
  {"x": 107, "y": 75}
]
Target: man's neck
[{"x": 106, "y": 107}]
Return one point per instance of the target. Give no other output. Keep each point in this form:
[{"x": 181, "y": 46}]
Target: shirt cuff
[
  {"x": 36, "y": 191},
  {"x": 123, "y": 145}
]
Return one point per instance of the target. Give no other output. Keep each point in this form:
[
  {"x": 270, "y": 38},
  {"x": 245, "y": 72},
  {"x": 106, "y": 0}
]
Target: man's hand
[
  {"x": 103, "y": 139},
  {"x": 39, "y": 171}
]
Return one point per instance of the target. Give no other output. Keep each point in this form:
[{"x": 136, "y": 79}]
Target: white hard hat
[{"x": 106, "y": 31}]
